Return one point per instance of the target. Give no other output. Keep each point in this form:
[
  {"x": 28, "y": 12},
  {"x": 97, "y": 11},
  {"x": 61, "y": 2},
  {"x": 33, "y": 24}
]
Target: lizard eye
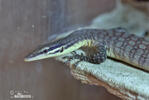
[
  {"x": 45, "y": 51},
  {"x": 62, "y": 49}
]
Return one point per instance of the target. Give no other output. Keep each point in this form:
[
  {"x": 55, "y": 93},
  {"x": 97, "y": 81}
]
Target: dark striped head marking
[{"x": 59, "y": 47}]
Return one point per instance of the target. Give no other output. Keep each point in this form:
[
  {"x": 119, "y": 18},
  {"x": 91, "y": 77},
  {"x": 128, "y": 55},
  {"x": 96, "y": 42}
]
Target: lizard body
[{"x": 115, "y": 43}]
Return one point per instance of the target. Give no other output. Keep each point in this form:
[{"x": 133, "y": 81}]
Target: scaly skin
[{"x": 115, "y": 43}]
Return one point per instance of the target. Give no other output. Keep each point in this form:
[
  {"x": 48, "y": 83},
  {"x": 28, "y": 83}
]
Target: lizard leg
[
  {"x": 95, "y": 54},
  {"x": 73, "y": 56}
]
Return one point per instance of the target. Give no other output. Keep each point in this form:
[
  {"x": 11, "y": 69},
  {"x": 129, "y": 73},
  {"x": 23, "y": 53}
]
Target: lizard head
[
  {"x": 58, "y": 47},
  {"x": 48, "y": 50},
  {"x": 53, "y": 49}
]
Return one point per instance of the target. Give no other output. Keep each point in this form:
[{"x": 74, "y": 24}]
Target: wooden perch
[{"x": 121, "y": 80}]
